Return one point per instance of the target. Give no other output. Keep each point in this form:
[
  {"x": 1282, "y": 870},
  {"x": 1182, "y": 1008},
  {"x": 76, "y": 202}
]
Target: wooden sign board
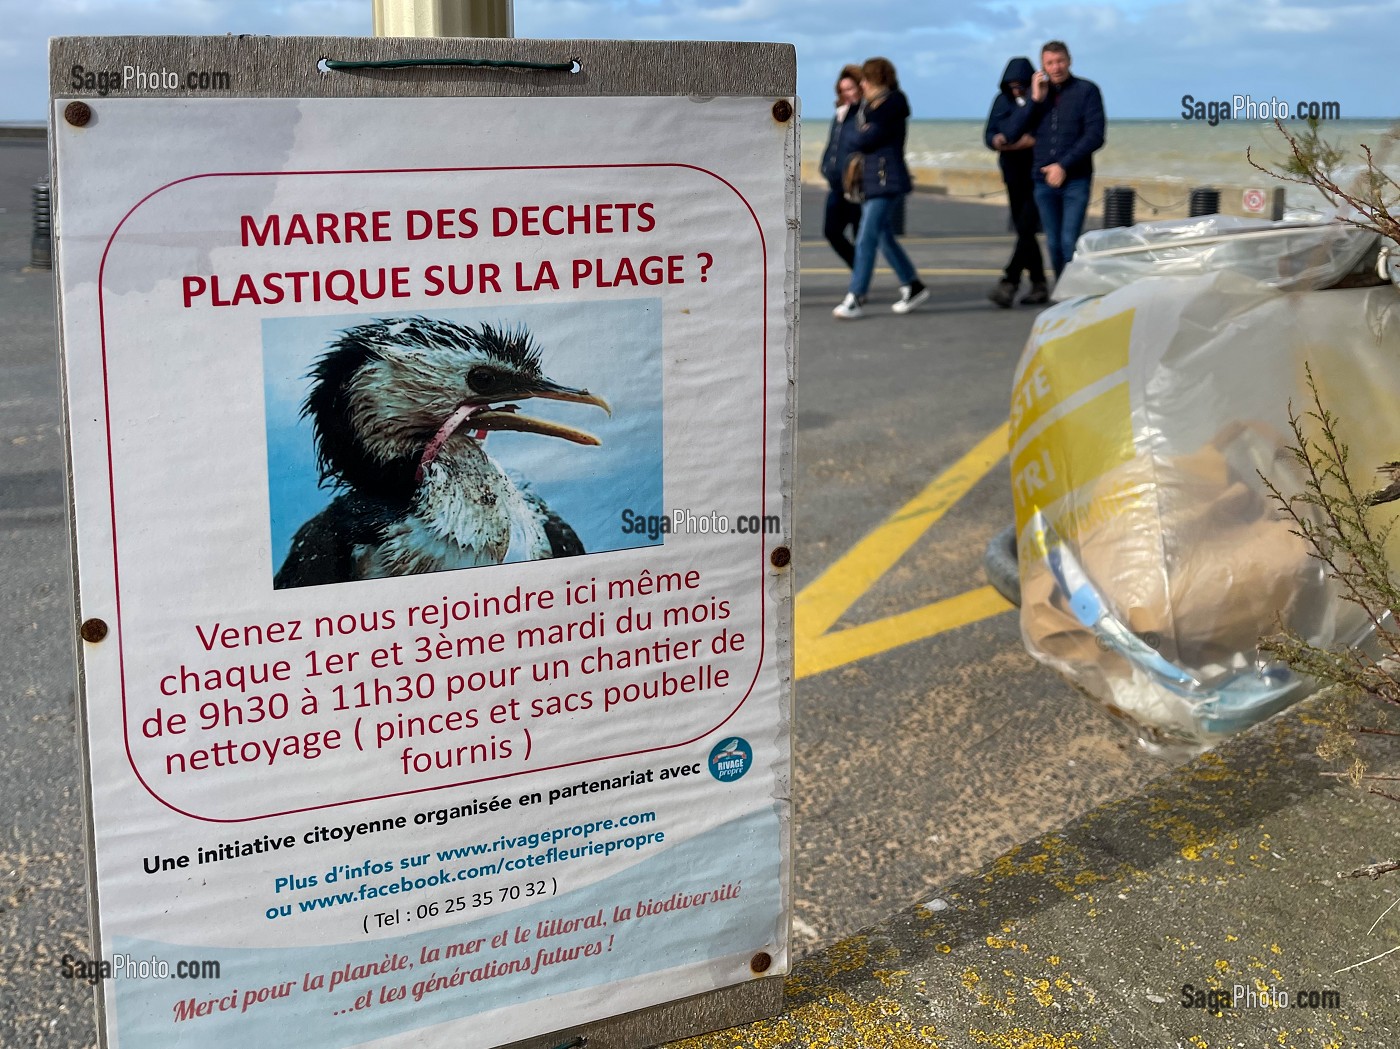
[{"x": 430, "y": 430}]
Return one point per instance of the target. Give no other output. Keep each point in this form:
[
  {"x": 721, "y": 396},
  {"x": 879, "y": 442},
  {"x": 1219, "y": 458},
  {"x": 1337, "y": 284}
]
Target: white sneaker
[
  {"x": 911, "y": 297},
  {"x": 849, "y": 310}
]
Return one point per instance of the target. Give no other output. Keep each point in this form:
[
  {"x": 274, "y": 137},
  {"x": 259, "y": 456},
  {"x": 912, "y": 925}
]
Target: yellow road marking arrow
[{"x": 825, "y": 600}]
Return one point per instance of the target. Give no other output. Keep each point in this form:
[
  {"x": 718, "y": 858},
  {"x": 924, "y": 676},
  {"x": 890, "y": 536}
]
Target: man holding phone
[{"x": 1066, "y": 117}]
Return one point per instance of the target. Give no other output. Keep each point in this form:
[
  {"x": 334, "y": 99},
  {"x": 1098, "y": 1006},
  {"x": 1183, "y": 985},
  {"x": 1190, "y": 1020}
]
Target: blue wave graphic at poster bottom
[{"x": 735, "y": 865}]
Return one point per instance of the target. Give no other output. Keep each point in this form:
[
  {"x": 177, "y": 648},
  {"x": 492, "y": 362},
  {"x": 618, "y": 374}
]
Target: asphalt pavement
[
  {"x": 921, "y": 752},
  {"x": 1224, "y": 906},
  {"x": 43, "y": 902}
]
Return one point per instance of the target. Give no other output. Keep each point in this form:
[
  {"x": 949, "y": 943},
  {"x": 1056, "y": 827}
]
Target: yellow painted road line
[
  {"x": 1001, "y": 238},
  {"x": 997, "y": 238},
  {"x": 825, "y": 600},
  {"x": 816, "y": 654},
  {"x": 923, "y": 272}
]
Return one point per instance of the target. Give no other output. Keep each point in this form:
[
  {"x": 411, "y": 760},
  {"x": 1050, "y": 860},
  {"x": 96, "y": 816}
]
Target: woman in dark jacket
[
  {"x": 841, "y": 214},
  {"x": 884, "y": 121}
]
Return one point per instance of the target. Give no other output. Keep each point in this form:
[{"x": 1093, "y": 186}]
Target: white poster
[{"x": 428, "y": 465}]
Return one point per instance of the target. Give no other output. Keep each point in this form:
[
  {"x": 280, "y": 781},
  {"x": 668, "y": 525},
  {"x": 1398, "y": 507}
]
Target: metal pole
[{"x": 444, "y": 18}]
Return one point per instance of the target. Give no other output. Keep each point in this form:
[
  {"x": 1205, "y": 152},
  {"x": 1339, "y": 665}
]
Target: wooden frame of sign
[{"x": 190, "y": 290}]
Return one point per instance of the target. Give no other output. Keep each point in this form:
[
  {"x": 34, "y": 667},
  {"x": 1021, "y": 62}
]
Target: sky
[{"x": 1144, "y": 55}]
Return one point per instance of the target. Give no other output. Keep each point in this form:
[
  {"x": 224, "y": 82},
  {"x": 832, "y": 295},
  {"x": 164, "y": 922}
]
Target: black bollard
[
  {"x": 1118, "y": 206},
  {"x": 41, "y": 244},
  {"x": 1205, "y": 201}
]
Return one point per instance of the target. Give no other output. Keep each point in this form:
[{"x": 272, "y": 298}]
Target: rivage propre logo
[{"x": 730, "y": 759}]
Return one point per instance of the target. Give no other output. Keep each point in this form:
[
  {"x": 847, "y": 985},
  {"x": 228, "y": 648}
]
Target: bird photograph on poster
[{"x": 415, "y": 443}]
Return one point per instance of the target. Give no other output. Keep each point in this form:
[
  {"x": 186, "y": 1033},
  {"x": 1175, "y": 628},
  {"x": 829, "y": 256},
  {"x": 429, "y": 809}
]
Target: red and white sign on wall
[{"x": 430, "y": 466}]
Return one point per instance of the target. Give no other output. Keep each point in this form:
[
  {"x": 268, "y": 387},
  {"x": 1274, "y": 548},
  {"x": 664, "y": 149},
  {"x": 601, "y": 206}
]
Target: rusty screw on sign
[
  {"x": 77, "y": 113},
  {"x": 93, "y": 630},
  {"x": 782, "y": 111},
  {"x": 781, "y": 557},
  {"x": 761, "y": 962}
]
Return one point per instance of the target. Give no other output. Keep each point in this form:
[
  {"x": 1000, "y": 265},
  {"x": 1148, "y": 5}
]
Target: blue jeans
[
  {"x": 876, "y": 233},
  {"x": 1062, "y": 217}
]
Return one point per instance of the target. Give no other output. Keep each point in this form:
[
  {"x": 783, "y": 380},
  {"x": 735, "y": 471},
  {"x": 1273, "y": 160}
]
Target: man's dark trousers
[{"x": 1025, "y": 218}]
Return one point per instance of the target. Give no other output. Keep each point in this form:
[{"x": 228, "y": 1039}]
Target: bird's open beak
[{"x": 507, "y": 417}]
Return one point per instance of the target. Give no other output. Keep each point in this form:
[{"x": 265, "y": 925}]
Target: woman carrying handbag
[{"x": 879, "y": 139}]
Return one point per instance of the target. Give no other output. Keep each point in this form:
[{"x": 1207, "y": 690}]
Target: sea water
[{"x": 1190, "y": 153}]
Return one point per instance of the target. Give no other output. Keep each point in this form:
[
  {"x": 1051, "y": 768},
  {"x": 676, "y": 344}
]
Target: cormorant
[{"x": 399, "y": 410}]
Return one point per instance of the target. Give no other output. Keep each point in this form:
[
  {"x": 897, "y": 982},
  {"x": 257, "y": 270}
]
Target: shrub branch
[{"x": 1335, "y": 518}]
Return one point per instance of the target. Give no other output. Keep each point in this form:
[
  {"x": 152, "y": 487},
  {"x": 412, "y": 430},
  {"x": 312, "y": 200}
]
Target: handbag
[{"x": 853, "y": 179}]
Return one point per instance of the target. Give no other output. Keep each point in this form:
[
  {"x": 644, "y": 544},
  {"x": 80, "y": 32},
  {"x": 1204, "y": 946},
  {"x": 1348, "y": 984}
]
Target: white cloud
[{"x": 1145, "y": 55}]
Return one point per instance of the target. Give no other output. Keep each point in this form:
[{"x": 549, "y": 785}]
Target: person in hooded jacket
[
  {"x": 884, "y": 123},
  {"x": 841, "y": 214},
  {"x": 1015, "y": 158}
]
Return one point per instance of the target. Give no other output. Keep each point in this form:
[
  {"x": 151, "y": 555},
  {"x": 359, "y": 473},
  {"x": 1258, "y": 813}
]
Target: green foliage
[
  {"x": 1310, "y": 153},
  {"x": 1338, "y": 522}
]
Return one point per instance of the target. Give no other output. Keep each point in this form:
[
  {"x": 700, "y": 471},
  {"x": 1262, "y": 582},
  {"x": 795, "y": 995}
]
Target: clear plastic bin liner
[
  {"x": 1152, "y": 558},
  {"x": 1283, "y": 255}
]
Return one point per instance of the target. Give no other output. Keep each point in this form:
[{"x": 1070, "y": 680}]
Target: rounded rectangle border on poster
[{"x": 350, "y": 657}]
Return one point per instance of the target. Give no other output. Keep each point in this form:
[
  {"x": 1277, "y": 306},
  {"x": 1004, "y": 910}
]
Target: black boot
[
  {"x": 1003, "y": 293},
  {"x": 1039, "y": 295}
]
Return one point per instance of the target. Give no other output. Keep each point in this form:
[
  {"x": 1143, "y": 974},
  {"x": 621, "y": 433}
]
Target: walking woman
[
  {"x": 841, "y": 214},
  {"x": 884, "y": 122}
]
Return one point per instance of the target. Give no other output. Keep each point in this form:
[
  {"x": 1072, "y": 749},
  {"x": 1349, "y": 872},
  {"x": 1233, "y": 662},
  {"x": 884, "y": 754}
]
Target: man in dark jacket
[
  {"x": 1066, "y": 117},
  {"x": 1014, "y": 156}
]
